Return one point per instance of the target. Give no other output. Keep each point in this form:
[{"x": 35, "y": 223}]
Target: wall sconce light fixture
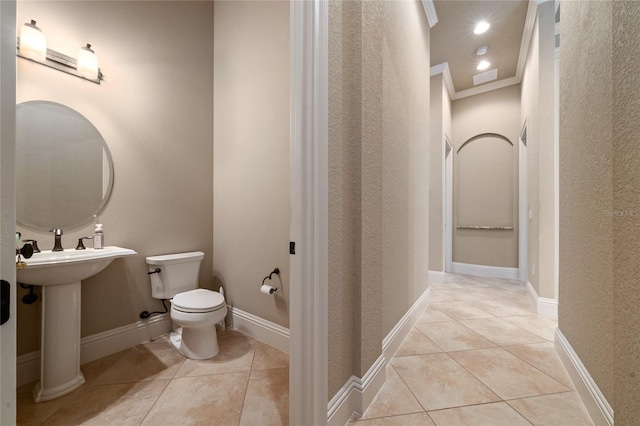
[{"x": 32, "y": 45}]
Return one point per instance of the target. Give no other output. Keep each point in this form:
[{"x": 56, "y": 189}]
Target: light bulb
[
  {"x": 481, "y": 27},
  {"x": 483, "y": 65}
]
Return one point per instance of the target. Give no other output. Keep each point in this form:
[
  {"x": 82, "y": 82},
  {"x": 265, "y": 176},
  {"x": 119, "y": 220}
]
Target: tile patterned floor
[
  {"x": 151, "y": 384},
  {"x": 479, "y": 355}
]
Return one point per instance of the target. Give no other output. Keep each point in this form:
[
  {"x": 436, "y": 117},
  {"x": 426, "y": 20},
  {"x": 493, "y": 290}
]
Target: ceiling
[{"x": 453, "y": 41}]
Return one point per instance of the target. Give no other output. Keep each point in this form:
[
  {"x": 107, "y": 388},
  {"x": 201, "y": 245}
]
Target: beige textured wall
[
  {"x": 538, "y": 112},
  {"x": 251, "y": 154},
  {"x": 585, "y": 311},
  {"x": 626, "y": 198},
  {"x": 498, "y": 112},
  {"x": 440, "y": 122},
  {"x": 378, "y": 176},
  {"x": 345, "y": 118},
  {"x": 155, "y": 110}
]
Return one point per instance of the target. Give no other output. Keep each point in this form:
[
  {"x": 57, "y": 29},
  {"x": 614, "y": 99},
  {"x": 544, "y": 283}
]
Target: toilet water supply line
[
  {"x": 267, "y": 289},
  {"x": 147, "y": 314}
]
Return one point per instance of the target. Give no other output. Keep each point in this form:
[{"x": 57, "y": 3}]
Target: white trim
[
  {"x": 357, "y": 394},
  {"x": 308, "y": 367},
  {"x": 527, "y": 33},
  {"x": 485, "y": 271},
  {"x": 523, "y": 202},
  {"x": 100, "y": 345},
  {"x": 266, "y": 331},
  {"x": 544, "y": 306},
  {"x": 487, "y": 87},
  {"x": 430, "y": 11},
  {"x": 443, "y": 69},
  {"x": 399, "y": 332},
  {"x": 596, "y": 404}
]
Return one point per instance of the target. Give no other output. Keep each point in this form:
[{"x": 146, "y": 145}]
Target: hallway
[{"x": 478, "y": 355}]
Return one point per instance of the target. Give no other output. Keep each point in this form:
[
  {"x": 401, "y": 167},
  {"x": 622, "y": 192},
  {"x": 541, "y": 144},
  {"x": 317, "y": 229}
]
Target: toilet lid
[{"x": 198, "y": 300}]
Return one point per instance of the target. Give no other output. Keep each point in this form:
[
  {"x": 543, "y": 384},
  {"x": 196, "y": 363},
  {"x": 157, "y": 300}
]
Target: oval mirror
[{"x": 64, "y": 172}]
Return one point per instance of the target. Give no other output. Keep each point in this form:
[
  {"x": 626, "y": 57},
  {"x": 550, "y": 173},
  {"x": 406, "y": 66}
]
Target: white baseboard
[
  {"x": 436, "y": 276},
  {"x": 268, "y": 332},
  {"x": 100, "y": 345},
  {"x": 396, "y": 336},
  {"x": 596, "y": 404},
  {"x": 357, "y": 394},
  {"x": 485, "y": 271},
  {"x": 545, "y": 307}
]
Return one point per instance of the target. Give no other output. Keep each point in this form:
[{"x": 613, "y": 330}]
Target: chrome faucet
[{"x": 57, "y": 234}]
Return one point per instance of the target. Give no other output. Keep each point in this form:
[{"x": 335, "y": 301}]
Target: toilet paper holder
[{"x": 268, "y": 277}]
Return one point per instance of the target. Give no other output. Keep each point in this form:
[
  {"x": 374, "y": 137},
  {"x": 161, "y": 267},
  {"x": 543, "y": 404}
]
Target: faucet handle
[
  {"x": 34, "y": 243},
  {"x": 80, "y": 245}
]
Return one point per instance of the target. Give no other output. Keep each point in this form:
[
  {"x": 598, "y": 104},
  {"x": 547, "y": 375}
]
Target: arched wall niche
[{"x": 485, "y": 183}]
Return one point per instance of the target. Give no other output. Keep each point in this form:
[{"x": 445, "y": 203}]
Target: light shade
[
  {"x": 33, "y": 43},
  {"x": 87, "y": 63}
]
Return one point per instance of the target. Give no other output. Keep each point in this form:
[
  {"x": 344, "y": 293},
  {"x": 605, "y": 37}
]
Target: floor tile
[
  {"x": 417, "y": 343},
  {"x": 544, "y": 357},
  {"x": 236, "y": 354},
  {"x": 501, "y": 332},
  {"x": 452, "y": 336},
  {"x": 494, "y": 414},
  {"x": 507, "y": 375},
  {"x": 93, "y": 369},
  {"x": 543, "y": 327},
  {"x": 433, "y": 315},
  {"x": 202, "y": 400},
  {"x": 437, "y": 381},
  {"x": 394, "y": 398},
  {"x": 504, "y": 308},
  {"x": 553, "y": 410},
  {"x": 122, "y": 404},
  {"x": 151, "y": 361},
  {"x": 267, "y": 398},
  {"x": 460, "y": 310},
  {"x": 422, "y": 419},
  {"x": 30, "y": 412},
  {"x": 267, "y": 357}
]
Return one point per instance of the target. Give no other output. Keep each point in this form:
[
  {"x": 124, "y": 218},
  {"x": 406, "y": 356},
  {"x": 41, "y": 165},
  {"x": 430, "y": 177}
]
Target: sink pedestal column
[{"x": 59, "y": 342}]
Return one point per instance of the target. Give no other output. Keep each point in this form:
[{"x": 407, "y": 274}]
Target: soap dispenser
[{"x": 98, "y": 237}]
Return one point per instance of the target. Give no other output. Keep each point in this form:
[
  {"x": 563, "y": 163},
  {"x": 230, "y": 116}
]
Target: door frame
[
  {"x": 448, "y": 205},
  {"x": 7, "y": 206},
  {"x": 523, "y": 228},
  {"x": 308, "y": 318}
]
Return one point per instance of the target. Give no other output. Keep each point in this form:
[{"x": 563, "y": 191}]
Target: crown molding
[
  {"x": 527, "y": 33},
  {"x": 443, "y": 69},
  {"x": 430, "y": 11}
]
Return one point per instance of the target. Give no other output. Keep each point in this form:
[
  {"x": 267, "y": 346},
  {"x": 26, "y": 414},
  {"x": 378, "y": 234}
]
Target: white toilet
[{"x": 194, "y": 311}]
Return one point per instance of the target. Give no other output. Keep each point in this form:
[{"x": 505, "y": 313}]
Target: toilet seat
[{"x": 199, "y": 300}]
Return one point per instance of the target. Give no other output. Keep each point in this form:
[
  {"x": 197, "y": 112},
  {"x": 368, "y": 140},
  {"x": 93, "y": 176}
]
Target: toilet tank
[{"x": 178, "y": 273}]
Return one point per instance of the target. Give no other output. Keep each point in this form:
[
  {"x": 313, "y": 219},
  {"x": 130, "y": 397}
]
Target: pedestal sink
[{"x": 59, "y": 274}]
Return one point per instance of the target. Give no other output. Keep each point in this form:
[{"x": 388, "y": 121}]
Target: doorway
[
  {"x": 448, "y": 205},
  {"x": 522, "y": 205}
]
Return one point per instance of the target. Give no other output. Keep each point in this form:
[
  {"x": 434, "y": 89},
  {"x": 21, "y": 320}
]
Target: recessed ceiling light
[
  {"x": 483, "y": 65},
  {"x": 481, "y": 27},
  {"x": 482, "y": 50}
]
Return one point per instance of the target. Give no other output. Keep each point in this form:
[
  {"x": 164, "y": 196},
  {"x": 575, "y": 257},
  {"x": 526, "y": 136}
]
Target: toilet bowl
[{"x": 194, "y": 311}]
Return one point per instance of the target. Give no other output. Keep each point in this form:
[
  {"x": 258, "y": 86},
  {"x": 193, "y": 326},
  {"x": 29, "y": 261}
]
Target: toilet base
[{"x": 196, "y": 342}]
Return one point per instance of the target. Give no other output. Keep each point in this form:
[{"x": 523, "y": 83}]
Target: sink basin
[
  {"x": 60, "y": 274},
  {"x": 63, "y": 267}
]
